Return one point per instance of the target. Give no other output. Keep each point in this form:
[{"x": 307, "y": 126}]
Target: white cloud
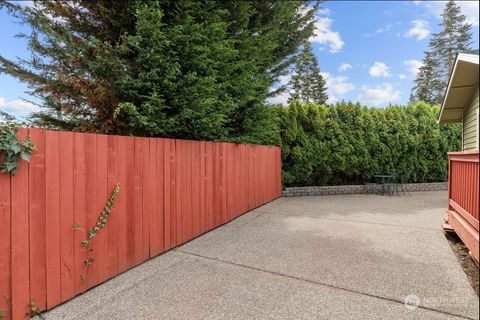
[
  {"x": 24, "y": 3},
  {"x": 18, "y": 108},
  {"x": 379, "y": 69},
  {"x": 420, "y": 30},
  {"x": 323, "y": 11},
  {"x": 284, "y": 79},
  {"x": 401, "y": 76},
  {"x": 469, "y": 8},
  {"x": 337, "y": 85},
  {"x": 380, "y": 30},
  {"x": 344, "y": 67},
  {"x": 378, "y": 95},
  {"x": 281, "y": 98},
  {"x": 331, "y": 99},
  {"x": 413, "y": 66},
  {"x": 325, "y": 36}
]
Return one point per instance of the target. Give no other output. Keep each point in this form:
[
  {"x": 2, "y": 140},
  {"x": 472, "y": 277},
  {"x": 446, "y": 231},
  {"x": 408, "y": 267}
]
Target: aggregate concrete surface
[{"x": 317, "y": 257}]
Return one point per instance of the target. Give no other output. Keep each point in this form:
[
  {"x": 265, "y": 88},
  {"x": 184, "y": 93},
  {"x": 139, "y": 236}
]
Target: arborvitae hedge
[{"x": 336, "y": 144}]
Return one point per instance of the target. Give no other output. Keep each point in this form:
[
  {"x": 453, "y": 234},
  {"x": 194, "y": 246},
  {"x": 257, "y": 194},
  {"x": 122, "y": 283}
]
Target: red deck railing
[
  {"x": 463, "y": 197},
  {"x": 171, "y": 191}
]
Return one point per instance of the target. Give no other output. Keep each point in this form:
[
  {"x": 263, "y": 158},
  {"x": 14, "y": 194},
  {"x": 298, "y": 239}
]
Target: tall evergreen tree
[
  {"x": 429, "y": 82},
  {"x": 307, "y": 84},
  {"x": 455, "y": 37},
  {"x": 187, "y": 69}
]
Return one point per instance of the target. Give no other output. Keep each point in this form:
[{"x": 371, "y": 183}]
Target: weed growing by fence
[
  {"x": 101, "y": 223},
  {"x": 11, "y": 149}
]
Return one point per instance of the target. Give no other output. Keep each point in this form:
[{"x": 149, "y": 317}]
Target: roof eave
[{"x": 465, "y": 57}]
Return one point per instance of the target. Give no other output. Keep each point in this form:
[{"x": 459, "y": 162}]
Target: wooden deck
[{"x": 463, "y": 197}]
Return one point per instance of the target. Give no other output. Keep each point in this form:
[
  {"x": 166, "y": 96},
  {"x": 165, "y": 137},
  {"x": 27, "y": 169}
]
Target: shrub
[{"x": 335, "y": 145}]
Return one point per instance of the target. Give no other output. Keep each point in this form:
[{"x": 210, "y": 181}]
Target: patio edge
[{"x": 359, "y": 189}]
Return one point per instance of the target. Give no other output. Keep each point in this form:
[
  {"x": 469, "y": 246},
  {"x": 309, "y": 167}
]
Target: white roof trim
[
  {"x": 472, "y": 58},
  {"x": 466, "y": 57}
]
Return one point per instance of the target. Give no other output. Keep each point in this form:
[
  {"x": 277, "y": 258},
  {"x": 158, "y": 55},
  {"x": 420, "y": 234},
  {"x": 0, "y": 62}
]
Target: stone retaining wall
[{"x": 359, "y": 189}]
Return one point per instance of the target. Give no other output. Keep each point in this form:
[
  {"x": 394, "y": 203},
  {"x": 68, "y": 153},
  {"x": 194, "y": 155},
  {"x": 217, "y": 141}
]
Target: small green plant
[
  {"x": 76, "y": 226},
  {"x": 102, "y": 220},
  {"x": 3, "y": 313},
  {"x": 101, "y": 223},
  {"x": 34, "y": 311},
  {"x": 88, "y": 262},
  {"x": 11, "y": 149}
]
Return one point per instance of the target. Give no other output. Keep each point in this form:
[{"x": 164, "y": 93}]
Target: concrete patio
[{"x": 325, "y": 257}]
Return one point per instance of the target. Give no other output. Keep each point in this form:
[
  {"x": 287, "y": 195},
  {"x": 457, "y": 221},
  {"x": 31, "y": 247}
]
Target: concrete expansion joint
[
  {"x": 345, "y": 220},
  {"x": 279, "y": 274}
]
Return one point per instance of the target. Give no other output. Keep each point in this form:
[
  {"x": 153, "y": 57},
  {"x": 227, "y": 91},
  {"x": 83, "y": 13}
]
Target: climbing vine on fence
[
  {"x": 101, "y": 223},
  {"x": 11, "y": 149}
]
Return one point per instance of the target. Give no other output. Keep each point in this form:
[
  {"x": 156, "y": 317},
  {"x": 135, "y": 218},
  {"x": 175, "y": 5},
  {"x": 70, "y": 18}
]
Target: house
[{"x": 460, "y": 104}]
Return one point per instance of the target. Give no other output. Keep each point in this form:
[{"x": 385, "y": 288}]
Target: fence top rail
[
  {"x": 465, "y": 153},
  {"x": 465, "y": 156},
  {"x": 127, "y": 136}
]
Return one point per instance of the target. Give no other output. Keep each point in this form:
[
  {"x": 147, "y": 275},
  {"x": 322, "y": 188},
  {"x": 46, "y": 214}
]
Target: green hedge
[{"x": 335, "y": 145}]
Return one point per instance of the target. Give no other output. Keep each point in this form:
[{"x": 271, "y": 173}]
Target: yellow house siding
[{"x": 470, "y": 124}]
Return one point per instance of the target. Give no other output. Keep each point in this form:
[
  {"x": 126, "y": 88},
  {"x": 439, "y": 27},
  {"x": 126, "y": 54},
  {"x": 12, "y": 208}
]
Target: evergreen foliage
[
  {"x": 184, "y": 69},
  {"x": 455, "y": 37},
  {"x": 307, "y": 84},
  {"x": 335, "y": 145}
]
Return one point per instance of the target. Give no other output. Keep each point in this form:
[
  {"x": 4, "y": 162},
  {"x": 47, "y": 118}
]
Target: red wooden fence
[
  {"x": 463, "y": 197},
  {"x": 171, "y": 191}
]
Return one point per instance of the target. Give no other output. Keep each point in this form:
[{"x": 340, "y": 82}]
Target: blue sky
[
  {"x": 368, "y": 51},
  {"x": 380, "y": 46}
]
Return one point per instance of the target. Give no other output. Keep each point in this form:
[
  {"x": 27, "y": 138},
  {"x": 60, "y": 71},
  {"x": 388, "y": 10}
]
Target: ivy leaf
[
  {"x": 25, "y": 155},
  {"x": 11, "y": 167}
]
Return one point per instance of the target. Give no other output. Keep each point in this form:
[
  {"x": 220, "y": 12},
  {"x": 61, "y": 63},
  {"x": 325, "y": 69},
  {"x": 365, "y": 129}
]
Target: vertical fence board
[
  {"x": 66, "y": 216},
  {"x": 229, "y": 189},
  {"x": 36, "y": 186},
  {"x": 155, "y": 190},
  {"x": 180, "y": 167},
  {"x": 149, "y": 192},
  {"x": 79, "y": 211},
  {"x": 137, "y": 199},
  {"x": 251, "y": 177},
  {"x": 20, "y": 238},
  {"x": 121, "y": 206},
  {"x": 159, "y": 196},
  {"x": 101, "y": 238},
  {"x": 169, "y": 190},
  {"x": 91, "y": 203},
  {"x": 146, "y": 201},
  {"x": 209, "y": 191},
  {"x": 148, "y": 189},
  {"x": 216, "y": 185},
  {"x": 187, "y": 214},
  {"x": 201, "y": 191},
  {"x": 130, "y": 199},
  {"x": 5, "y": 222},
  {"x": 195, "y": 190},
  {"x": 223, "y": 182},
  {"x": 112, "y": 223}
]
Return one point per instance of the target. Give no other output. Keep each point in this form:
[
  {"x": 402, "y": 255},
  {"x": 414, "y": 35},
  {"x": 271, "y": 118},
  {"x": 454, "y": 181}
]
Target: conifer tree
[
  {"x": 429, "y": 81},
  {"x": 307, "y": 84},
  {"x": 455, "y": 37},
  {"x": 184, "y": 69}
]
